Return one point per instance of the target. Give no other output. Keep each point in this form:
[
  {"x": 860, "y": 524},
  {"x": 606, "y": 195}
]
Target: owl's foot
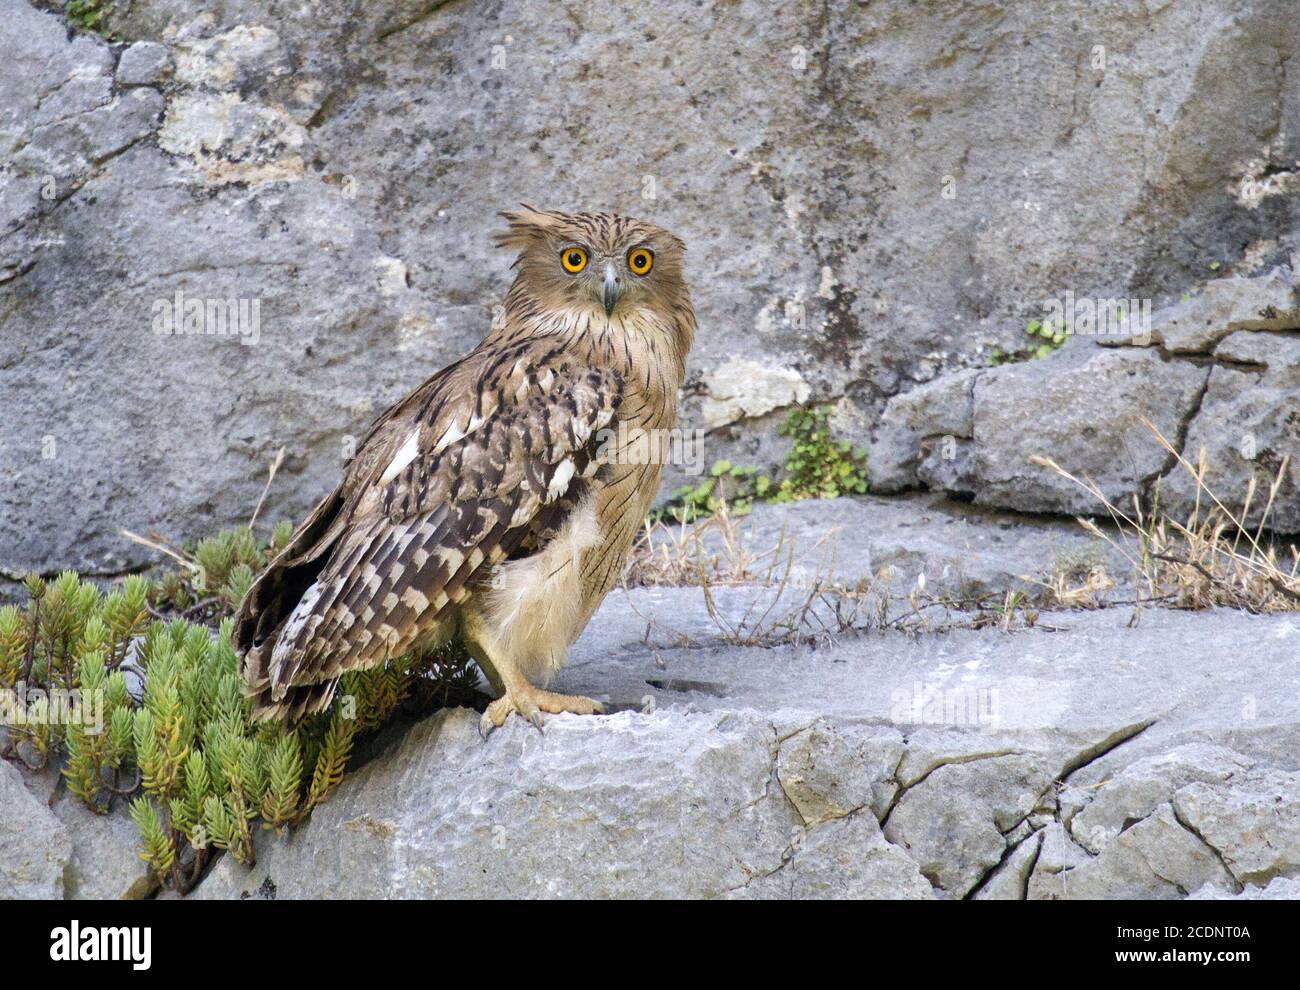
[{"x": 529, "y": 702}]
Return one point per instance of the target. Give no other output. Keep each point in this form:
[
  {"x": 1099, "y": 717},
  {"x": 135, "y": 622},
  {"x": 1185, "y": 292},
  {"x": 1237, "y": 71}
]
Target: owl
[{"x": 497, "y": 502}]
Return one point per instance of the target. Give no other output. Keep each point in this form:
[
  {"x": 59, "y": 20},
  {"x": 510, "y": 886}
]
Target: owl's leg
[{"x": 527, "y": 701}]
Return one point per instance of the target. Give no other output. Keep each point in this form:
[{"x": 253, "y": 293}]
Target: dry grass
[
  {"x": 710, "y": 553},
  {"x": 793, "y": 596},
  {"x": 707, "y": 551},
  {"x": 1213, "y": 558},
  {"x": 1078, "y": 580}
]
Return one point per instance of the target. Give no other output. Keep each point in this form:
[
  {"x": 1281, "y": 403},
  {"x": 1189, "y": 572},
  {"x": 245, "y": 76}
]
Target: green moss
[
  {"x": 817, "y": 466},
  {"x": 1047, "y": 336},
  {"x": 89, "y": 15},
  {"x": 737, "y": 486}
]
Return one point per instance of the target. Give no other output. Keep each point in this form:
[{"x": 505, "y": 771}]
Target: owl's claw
[{"x": 529, "y": 703}]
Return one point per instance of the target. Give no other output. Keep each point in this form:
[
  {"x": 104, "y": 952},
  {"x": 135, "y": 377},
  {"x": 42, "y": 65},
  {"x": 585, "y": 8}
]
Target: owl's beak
[{"x": 612, "y": 288}]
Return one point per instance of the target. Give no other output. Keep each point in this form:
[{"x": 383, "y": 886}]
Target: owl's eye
[
  {"x": 640, "y": 260},
  {"x": 573, "y": 259}
]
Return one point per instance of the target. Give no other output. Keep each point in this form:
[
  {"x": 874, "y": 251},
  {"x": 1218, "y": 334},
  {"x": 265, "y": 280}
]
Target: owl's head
[{"x": 595, "y": 263}]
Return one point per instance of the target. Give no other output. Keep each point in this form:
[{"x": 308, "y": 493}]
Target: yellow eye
[
  {"x": 574, "y": 260},
  {"x": 640, "y": 260}
]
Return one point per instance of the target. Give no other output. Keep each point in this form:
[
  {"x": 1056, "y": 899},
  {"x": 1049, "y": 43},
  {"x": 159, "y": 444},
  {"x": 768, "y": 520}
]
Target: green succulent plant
[
  {"x": 150, "y": 710},
  {"x": 817, "y": 466}
]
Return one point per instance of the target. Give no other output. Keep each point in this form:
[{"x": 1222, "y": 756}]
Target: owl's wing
[{"x": 493, "y": 451}]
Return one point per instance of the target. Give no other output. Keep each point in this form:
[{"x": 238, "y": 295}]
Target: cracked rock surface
[{"x": 1092, "y": 761}]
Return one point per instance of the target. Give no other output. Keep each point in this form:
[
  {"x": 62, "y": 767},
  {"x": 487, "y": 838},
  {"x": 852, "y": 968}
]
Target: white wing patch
[
  {"x": 403, "y": 457},
  {"x": 293, "y": 625},
  {"x": 560, "y": 480},
  {"x": 454, "y": 433},
  {"x": 449, "y": 436}
]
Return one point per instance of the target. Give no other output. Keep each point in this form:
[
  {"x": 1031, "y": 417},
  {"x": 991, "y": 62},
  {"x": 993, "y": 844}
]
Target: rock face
[
  {"x": 940, "y": 545},
  {"x": 1091, "y": 403},
  {"x": 34, "y": 845},
  {"x": 63, "y": 850},
  {"x": 1215, "y": 373},
  {"x": 674, "y": 806},
  {"x": 1088, "y": 762},
  {"x": 1095, "y": 754},
  {"x": 1281, "y": 889},
  {"x": 318, "y": 184},
  {"x": 1249, "y": 422},
  {"x": 249, "y": 227}
]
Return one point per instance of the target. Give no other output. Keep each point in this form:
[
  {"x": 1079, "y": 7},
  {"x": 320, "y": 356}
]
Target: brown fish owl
[{"x": 494, "y": 503}]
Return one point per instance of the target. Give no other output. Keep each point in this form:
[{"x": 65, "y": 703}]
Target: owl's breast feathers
[{"x": 479, "y": 464}]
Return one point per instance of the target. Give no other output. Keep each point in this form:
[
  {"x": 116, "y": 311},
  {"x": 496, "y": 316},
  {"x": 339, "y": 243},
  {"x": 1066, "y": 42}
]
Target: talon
[{"x": 528, "y": 703}]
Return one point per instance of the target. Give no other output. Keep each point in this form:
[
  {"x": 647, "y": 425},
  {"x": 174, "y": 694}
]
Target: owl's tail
[
  {"x": 268, "y": 608},
  {"x": 297, "y": 701}
]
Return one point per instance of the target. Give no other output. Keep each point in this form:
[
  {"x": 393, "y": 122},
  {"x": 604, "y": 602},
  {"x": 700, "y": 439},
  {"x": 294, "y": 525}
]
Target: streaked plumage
[{"x": 490, "y": 504}]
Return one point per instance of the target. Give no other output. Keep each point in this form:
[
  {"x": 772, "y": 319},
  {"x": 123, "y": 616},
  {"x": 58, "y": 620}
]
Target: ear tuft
[{"x": 522, "y": 225}]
